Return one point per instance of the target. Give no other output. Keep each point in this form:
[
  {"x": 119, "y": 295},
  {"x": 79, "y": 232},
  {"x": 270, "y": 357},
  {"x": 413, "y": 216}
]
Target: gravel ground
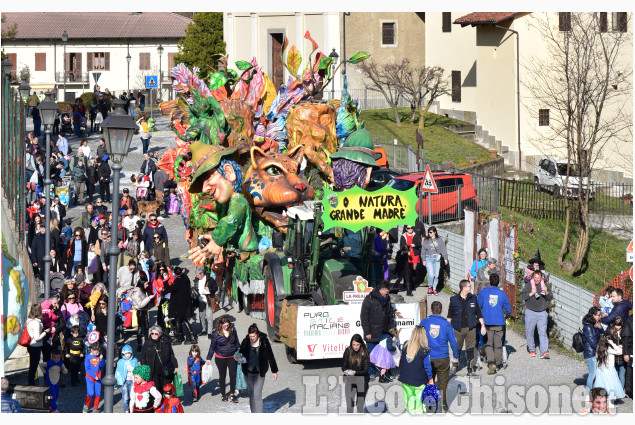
[{"x": 527, "y": 385}]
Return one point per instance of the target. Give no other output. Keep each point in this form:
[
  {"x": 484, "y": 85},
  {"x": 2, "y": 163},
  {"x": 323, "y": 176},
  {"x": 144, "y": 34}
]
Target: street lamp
[
  {"x": 48, "y": 108},
  {"x": 118, "y": 129},
  {"x": 335, "y": 57},
  {"x": 64, "y": 39},
  {"x": 160, "y": 50},
  {"x": 7, "y": 66},
  {"x": 128, "y": 59},
  {"x": 24, "y": 88}
]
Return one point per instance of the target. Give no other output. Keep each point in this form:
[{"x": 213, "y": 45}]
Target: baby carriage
[{"x": 67, "y": 126}]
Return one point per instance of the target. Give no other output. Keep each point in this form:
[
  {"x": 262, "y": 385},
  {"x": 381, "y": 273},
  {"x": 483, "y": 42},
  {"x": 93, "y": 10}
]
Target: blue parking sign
[{"x": 151, "y": 81}]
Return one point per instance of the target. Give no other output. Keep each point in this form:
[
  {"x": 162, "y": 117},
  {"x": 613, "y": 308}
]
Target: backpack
[
  {"x": 25, "y": 338},
  {"x": 578, "y": 342},
  {"x": 194, "y": 294}
]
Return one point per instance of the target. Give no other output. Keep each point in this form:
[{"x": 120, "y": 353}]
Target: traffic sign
[
  {"x": 629, "y": 252},
  {"x": 151, "y": 81},
  {"x": 631, "y": 273},
  {"x": 428, "y": 184}
]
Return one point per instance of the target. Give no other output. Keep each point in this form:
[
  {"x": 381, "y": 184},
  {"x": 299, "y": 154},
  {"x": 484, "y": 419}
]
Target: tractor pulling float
[{"x": 254, "y": 168}]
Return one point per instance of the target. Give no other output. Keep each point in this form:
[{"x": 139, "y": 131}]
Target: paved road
[{"x": 526, "y": 385}]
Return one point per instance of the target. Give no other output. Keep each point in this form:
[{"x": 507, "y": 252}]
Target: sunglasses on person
[
  {"x": 102, "y": 303},
  {"x": 157, "y": 237},
  {"x": 409, "y": 228},
  {"x": 153, "y": 219},
  {"x": 99, "y": 202},
  {"x": 154, "y": 333},
  {"x": 70, "y": 298},
  {"x": 78, "y": 235}
]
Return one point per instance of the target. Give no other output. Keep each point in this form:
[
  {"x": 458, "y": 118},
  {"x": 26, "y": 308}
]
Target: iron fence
[
  {"x": 368, "y": 99},
  {"x": 13, "y": 155},
  {"x": 549, "y": 202}
]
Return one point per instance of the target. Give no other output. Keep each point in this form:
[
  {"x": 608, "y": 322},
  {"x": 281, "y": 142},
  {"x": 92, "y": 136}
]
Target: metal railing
[
  {"x": 447, "y": 204},
  {"x": 367, "y": 99},
  {"x": 13, "y": 155},
  {"x": 71, "y": 77}
]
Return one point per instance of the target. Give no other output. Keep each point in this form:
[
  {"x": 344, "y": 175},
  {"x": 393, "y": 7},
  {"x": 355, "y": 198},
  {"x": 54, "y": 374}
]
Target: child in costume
[
  {"x": 171, "y": 403},
  {"x": 142, "y": 183},
  {"x": 606, "y": 302},
  {"x": 381, "y": 356},
  {"x": 606, "y": 375},
  {"x": 145, "y": 398},
  {"x": 93, "y": 363},
  {"x": 126, "y": 310},
  {"x": 124, "y": 375},
  {"x": 194, "y": 365},
  {"x": 74, "y": 352},
  {"x": 53, "y": 370}
]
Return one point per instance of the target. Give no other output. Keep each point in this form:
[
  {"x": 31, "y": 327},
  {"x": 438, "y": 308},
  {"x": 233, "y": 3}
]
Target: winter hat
[
  {"x": 126, "y": 349},
  {"x": 143, "y": 371}
]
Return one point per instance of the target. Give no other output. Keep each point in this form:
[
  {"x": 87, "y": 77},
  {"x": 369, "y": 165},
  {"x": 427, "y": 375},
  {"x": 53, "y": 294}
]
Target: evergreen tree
[{"x": 203, "y": 39}]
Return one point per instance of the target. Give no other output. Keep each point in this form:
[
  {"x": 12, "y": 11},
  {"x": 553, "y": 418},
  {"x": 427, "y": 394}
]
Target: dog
[{"x": 148, "y": 207}]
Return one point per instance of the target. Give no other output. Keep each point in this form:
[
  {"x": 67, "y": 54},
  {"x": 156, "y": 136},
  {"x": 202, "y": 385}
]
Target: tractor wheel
[{"x": 272, "y": 307}]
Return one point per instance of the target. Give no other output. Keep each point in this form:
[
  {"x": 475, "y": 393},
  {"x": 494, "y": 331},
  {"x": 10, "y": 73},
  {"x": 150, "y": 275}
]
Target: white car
[{"x": 551, "y": 175}]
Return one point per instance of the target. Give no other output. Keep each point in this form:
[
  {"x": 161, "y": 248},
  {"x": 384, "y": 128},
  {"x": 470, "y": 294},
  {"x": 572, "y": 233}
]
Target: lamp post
[
  {"x": 118, "y": 129},
  {"x": 7, "y": 66},
  {"x": 335, "y": 57},
  {"x": 128, "y": 59},
  {"x": 47, "y": 110},
  {"x": 64, "y": 39},
  {"x": 160, "y": 50}
]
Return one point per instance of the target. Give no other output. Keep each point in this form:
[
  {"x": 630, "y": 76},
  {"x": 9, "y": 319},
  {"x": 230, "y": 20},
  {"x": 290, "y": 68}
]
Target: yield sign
[
  {"x": 629, "y": 252},
  {"x": 428, "y": 184}
]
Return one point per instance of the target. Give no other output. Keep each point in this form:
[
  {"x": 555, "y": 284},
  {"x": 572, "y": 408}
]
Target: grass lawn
[
  {"x": 439, "y": 144},
  {"x": 605, "y": 259}
]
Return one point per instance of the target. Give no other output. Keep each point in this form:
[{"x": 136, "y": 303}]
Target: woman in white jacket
[{"x": 36, "y": 331}]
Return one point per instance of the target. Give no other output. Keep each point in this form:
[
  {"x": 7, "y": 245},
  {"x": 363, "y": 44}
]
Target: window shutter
[
  {"x": 40, "y": 61},
  {"x": 144, "y": 60},
  {"x": 456, "y": 86},
  {"x": 68, "y": 62},
  {"x": 13, "y": 57},
  {"x": 171, "y": 63},
  {"x": 447, "y": 22},
  {"x": 604, "y": 22},
  {"x": 90, "y": 61},
  {"x": 622, "y": 21},
  {"x": 564, "y": 21},
  {"x": 107, "y": 61},
  {"x": 78, "y": 63}
]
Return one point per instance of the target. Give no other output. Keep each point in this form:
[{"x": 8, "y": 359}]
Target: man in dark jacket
[
  {"x": 537, "y": 295},
  {"x": 627, "y": 341},
  {"x": 74, "y": 258},
  {"x": 158, "y": 354},
  {"x": 128, "y": 202},
  {"x": 103, "y": 172},
  {"x": 151, "y": 228},
  {"x": 464, "y": 314},
  {"x": 78, "y": 176},
  {"x": 621, "y": 307},
  {"x": 87, "y": 216},
  {"x": 37, "y": 251},
  {"x": 180, "y": 306},
  {"x": 148, "y": 166},
  {"x": 101, "y": 149},
  {"x": 377, "y": 317}
]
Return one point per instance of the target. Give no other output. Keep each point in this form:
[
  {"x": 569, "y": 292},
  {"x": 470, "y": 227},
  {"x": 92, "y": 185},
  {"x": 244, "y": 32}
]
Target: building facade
[
  {"x": 114, "y": 50},
  {"x": 480, "y": 50}
]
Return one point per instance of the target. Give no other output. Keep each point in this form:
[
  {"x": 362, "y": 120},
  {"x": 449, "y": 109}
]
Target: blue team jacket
[
  {"x": 492, "y": 300},
  {"x": 440, "y": 332}
]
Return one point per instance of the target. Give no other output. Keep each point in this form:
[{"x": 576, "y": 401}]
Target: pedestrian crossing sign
[
  {"x": 151, "y": 81},
  {"x": 428, "y": 184}
]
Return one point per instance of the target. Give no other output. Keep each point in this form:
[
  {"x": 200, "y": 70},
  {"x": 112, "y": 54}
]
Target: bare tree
[
  {"x": 386, "y": 79},
  {"x": 422, "y": 84},
  {"x": 8, "y": 32},
  {"x": 584, "y": 81}
]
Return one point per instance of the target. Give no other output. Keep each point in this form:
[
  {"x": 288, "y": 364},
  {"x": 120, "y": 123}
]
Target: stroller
[{"x": 67, "y": 126}]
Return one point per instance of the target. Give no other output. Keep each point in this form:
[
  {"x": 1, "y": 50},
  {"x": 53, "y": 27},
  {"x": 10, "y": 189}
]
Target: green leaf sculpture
[
  {"x": 325, "y": 62},
  {"x": 358, "y": 57},
  {"x": 217, "y": 80},
  {"x": 294, "y": 59},
  {"x": 244, "y": 65}
]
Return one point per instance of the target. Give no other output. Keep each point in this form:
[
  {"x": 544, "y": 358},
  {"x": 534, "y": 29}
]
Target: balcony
[{"x": 71, "y": 77}]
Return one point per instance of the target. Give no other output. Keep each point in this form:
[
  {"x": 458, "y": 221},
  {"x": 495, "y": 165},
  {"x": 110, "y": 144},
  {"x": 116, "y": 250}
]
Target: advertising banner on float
[
  {"x": 355, "y": 208},
  {"x": 324, "y": 332}
]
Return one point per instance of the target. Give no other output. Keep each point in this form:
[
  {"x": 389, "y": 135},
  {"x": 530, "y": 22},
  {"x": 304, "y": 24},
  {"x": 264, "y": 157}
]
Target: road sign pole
[
  {"x": 151, "y": 104},
  {"x": 429, "y": 210}
]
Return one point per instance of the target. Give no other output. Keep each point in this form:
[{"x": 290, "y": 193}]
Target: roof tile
[
  {"x": 78, "y": 25},
  {"x": 480, "y": 18}
]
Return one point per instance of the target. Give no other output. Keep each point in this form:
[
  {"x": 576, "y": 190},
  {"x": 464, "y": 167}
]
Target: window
[
  {"x": 40, "y": 61},
  {"x": 564, "y": 20},
  {"x": 13, "y": 57},
  {"x": 543, "y": 117},
  {"x": 603, "y": 22},
  {"x": 144, "y": 60},
  {"x": 388, "y": 36},
  {"x": 446, "y": 23},
  {"x": 618, "y": 21},
  {"x": 98, "y": 62},
  {"x": 456, "y": 86}
]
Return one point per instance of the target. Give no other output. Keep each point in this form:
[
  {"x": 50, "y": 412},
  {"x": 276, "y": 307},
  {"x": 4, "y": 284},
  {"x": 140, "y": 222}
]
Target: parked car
[
  {"x": 381, "y": 157},
  {"x": 380, "y": 178},
  {"x": 551, "y": 175},
  {"x": 445, "y": 203}
]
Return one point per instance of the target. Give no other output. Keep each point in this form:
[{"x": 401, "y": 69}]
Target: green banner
[{"x": 356, "y": 208}]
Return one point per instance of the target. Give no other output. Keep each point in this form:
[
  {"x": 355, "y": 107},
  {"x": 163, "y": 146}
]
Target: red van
[{"x": 445, "y": 202}]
